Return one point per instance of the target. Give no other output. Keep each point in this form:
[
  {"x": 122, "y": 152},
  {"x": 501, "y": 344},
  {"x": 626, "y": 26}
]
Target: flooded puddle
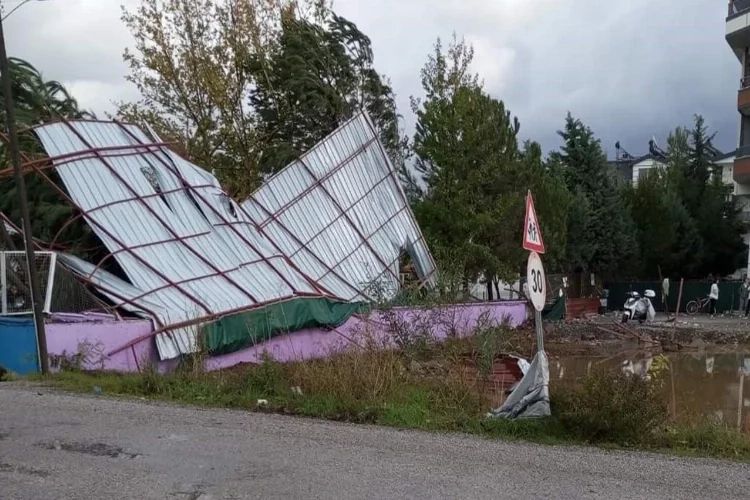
[{"x": 698, "y": 384}]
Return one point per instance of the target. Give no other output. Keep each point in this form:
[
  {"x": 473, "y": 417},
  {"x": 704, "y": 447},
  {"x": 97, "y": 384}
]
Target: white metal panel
[
  {"x": 341, "y": 215},
  {"x": 216, "y": 268},
  {"x": 8, "y": 228},
  {"x": 338, "y": 217}
]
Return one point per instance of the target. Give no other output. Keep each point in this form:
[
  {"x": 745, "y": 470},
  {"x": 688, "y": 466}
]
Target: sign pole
[
  {"x": 530, "y": 398},
  {"x": 539, "y": 331}
]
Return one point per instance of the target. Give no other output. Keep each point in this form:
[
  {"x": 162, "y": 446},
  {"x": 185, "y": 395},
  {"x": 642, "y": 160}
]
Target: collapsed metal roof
[
  {"x": 9, "y": 229},
  {"x": 340, "y": 213},
  {"x": 329, "y": 224}
]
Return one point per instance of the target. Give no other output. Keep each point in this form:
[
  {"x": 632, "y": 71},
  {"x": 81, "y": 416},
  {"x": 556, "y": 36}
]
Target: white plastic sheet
[{"x": 530, "y": 398}]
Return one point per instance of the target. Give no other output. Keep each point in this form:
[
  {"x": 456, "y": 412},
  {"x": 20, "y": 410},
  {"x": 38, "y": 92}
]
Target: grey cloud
[{"x": 630, "y": 69}]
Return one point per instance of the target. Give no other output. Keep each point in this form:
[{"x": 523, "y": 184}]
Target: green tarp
[
  {"x": 554, "y": 311},
  {"x": 239, "y": 331}
]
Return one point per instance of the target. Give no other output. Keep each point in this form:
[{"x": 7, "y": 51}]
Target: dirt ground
[{"x": 605, "y": 335}]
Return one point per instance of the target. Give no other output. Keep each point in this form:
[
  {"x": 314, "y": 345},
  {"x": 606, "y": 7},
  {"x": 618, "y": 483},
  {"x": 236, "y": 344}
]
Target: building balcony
[
  {"x": 743, "y": 96},
  {"x": 741, "y": 171},
  {"x": 738, "y": 25}
]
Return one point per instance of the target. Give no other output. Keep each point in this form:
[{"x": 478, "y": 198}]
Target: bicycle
[{"x": 695, "y": 306}]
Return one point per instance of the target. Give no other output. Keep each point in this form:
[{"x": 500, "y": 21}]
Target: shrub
[{"x": 611, "y": 407}]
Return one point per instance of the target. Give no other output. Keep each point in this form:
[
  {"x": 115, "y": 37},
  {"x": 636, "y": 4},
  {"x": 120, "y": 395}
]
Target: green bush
[{"x": 611, "y": 408}]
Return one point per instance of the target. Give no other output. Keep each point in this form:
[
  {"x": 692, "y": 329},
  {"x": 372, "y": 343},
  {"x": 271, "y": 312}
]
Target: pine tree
[
  {"x": 695, "y": 177},
  {"x": 603, "y": 220}
]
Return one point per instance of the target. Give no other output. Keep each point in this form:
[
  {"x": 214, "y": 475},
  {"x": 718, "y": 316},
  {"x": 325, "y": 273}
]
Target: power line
[{"x": 20, "y": 3}]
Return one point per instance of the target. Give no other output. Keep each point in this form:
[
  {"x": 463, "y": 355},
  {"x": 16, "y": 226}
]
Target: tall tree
[
  {"x": 696, "y": 179},
  {"x": 189, "y": 65},
  {"x": 467, "y": 153},
  {"x": 318, "y": 75},
  {"x": 36, "y": 101},
  {"x": 552, "y": 201},
  {"x": 610, "y": 243},
  {"x": 668, "y": 237}
]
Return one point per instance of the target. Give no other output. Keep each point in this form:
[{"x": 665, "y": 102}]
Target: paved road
[{"x": 59, "y": 446}]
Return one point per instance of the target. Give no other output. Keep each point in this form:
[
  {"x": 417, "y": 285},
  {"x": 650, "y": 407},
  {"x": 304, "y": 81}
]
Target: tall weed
[{"x": 611, "y": 407}]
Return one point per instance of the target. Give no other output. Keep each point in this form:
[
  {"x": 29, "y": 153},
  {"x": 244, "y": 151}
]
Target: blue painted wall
[{"x": 18, "y": 352}]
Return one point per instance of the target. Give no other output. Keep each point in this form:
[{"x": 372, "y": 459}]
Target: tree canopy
[
  {"x": 244, "y": 87},
  {"x": 38, "y": 100}
]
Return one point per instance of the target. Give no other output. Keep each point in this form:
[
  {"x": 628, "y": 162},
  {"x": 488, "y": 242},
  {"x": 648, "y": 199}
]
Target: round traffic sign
[{"x": 536, "y": 281}]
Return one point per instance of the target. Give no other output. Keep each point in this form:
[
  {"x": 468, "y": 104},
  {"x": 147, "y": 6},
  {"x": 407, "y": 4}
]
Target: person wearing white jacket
[{"x": 713, "y": 297}]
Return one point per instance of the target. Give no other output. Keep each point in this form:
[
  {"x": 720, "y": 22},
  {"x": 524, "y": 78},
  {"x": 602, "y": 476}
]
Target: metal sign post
[
  {"x": 530, "y": 398},
  {"x": 537, "y": 286}
]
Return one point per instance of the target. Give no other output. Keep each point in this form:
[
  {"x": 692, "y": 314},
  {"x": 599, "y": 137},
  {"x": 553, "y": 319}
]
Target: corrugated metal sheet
[
  {"x": 212, "y": 269},
  {"x": 340, "y": 214},
  {"x": 9, "y": 229},
  {"x": 334, "y": 221}
]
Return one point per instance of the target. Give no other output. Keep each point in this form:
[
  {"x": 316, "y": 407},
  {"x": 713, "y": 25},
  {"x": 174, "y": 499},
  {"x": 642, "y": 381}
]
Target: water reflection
[{"x": 698, "y": 384}]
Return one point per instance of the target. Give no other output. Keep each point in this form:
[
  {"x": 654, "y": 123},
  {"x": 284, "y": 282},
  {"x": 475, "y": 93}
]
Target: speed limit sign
[{"x": 536, "y": 281}]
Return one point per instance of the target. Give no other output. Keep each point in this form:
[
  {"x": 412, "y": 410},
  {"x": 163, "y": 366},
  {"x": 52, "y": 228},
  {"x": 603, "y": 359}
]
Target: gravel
[{"x": 60, "y": 446}]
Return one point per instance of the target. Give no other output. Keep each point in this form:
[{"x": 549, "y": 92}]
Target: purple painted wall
[
  {"x": 379, "y": 330},
  {"x": 95, "y": 335}
]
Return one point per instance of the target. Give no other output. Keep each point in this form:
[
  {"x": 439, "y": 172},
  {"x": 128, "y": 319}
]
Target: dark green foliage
[
  {"x": 605, "y": 235},
  {"x": 38, "y": 100},
  {"x": 612, "y": 408},
  {"x": 317, "y": 78},
  {"x": 687, "y": 219},
  {"x": 668, "y": 236},
  {"x": 476, "y": 177},
  {"x": 469, "y": 162}
]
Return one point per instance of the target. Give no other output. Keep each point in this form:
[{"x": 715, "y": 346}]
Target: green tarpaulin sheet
[
  {"x": 554, "y": 311},
  {"x": 239, "y": 331}
]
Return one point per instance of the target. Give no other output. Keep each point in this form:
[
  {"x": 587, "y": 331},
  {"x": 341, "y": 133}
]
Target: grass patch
[{"x": 392, "y": 388}]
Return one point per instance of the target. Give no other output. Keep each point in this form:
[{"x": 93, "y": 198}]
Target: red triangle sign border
[{"x": 528, "y": 244}]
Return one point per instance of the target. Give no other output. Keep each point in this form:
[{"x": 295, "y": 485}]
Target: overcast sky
[{"x": 629, "y": 69}]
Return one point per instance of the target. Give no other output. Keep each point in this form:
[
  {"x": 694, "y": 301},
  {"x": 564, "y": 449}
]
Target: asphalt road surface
[{"x": 60, "y": 446}]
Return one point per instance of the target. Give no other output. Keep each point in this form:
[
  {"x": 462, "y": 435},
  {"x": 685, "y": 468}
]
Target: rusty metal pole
[
  {"x": 15, "y": 153},
  {"x": 677, "y": 309}
]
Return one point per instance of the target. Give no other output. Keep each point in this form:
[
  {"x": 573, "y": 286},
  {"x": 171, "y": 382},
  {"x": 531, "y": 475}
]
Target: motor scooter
[{"x": 639, "y": 308}]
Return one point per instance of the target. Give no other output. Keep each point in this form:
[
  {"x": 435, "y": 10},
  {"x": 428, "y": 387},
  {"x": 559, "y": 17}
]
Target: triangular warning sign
[{"x": 532, "y": 234}]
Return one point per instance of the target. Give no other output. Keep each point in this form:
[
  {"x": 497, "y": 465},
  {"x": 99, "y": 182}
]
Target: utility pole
[{"x": 15, "y": 153}]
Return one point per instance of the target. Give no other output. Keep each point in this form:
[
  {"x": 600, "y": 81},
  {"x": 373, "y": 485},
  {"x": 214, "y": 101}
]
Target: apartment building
[{"x": 738, "y": 37}]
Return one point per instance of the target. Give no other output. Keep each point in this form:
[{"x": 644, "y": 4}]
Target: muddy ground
[{"x": 605, "y": 335}]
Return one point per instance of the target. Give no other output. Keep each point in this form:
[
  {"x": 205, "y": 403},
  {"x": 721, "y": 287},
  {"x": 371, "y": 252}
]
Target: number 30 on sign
[{"x": 537, "y": 282}]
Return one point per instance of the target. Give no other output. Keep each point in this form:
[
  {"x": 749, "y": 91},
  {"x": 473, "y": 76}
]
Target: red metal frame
[
  {"x": 348, "y": 219},
  {"x": 340, "y": 215},
  {"x": 39, "y": 247},
  {"x": 60, "y": 160},
  {"x": 112, "y": 203}
]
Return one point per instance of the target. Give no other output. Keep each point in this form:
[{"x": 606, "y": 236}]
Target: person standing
[
  {"x": 744, "y": 296},
  {"x": 713, "y": 297}
]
